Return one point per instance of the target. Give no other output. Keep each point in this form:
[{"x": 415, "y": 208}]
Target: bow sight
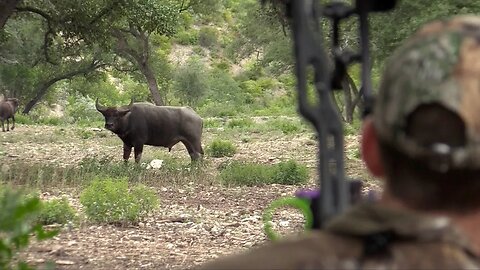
[{"x": 304, "y": 18}]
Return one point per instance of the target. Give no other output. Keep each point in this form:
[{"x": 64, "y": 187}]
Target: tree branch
[
  {"x": 36, "y": 11},
  {"x": 6, "y": 9},
  {"x": 103, "y": 12},
  {"x": 184, "y": 7}
]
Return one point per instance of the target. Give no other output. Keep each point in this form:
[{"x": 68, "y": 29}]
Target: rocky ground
[{"x": 196, "y": 221}]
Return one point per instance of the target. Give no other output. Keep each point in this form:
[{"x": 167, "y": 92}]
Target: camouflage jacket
[{"x": 367, "y": 236}]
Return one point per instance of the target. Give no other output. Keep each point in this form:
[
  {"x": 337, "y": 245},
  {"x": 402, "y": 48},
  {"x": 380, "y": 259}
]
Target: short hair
[{"x": 418, "y": 184}]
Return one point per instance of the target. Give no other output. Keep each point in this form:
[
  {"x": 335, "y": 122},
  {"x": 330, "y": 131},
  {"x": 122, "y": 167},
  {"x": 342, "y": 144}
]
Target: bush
[
  {"x": 252, "y": 174},
  {"x": 187, "y": 37},
  {"x": 221, "y": 148},
  {"x": 56, "y": 211},
  {"x": 246, "y": 174},
  {"x": 17, "y": 215},
  {"x": 111, "y": 201},
  {"x": 240, "y": 122},
  {"x": 81, "y": 108},
  {"x": 289, "y": 173},
  {"x": 284, "y": 125},
  {"x": 23, "y": 119},
  {"x": 212, "y": 123},
  {"x": 207, "y": 37},
  {"x": 191, "y": 81}
]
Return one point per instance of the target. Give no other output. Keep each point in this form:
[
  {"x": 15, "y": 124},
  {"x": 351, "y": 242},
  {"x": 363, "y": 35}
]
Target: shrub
[
  {"x": 191, "y": 81},
  {"x": 284, "y": 125},
  {"x": 111, "y": 201},
  {"x": 85, "y": 134},
  {"x": 289, "y": 173},
  {"x": 215, "y": 109},
  {"x": 207, "y": 37},
  {"x": 23, "y": 119},
  {"x": 56, "y": 211},
  {"x": 240, "y": 122},
  {"x": 212, "y": 123},
  {"x": 221, "y": 148},
  {"x": 246, "y": 174},
  {"x": 252, "y": 174},
  {"x": 82, "y": 108},
  {"x": 187, "y": 37},
  {"x": 17, "y": 215}
]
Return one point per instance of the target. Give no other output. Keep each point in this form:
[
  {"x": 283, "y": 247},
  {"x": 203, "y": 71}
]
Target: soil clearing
[{"x": 194, "y": 223}]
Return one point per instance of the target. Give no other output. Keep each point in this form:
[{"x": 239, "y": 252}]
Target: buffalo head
[
  {"x": 13, "y": 102},
  {"x": 114, "y": 116}
]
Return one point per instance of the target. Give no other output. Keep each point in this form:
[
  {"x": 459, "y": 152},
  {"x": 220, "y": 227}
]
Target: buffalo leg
[
  {"x": 194, "y": 155},
  {"x": 8, "y": 124},
  {"x": 138, "y": 149},
  {"x": 3, "y": 125},
  {"x": 13, "y": 122},
  {"x": 126, "y": 152}
]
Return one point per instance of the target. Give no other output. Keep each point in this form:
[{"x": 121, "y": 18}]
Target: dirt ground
[{"x": 195, "y": 222}]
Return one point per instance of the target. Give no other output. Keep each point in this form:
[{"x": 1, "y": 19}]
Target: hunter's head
[{"x": 424, "y": 135}]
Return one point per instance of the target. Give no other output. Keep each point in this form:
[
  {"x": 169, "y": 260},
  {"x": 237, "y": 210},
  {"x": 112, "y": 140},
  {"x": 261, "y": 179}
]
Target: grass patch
[
  {"x": 213, "y": 122},
  {"x": 57, "y": 211},
  {"x": 253, "y": 174},
  {"x": 111, "y": 201},
  {"x": 286, "y": 126},
  {"x": 40, "y": 176},
  {"x": 17, "y": 226},
  {"x": 240, "y": 123},
  {"x": 221, "y": 148}
]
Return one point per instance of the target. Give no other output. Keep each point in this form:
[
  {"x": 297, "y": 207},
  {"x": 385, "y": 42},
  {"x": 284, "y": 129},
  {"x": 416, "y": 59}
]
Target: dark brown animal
[
  {"x": 8, "y": 107},
  {"x": 142, "y": 123}
]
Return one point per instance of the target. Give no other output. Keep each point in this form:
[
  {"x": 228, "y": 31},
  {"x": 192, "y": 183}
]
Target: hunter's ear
[{"x": 370, "y": 149}]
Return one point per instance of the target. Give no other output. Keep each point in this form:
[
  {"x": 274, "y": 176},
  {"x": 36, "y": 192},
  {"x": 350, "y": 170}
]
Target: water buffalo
[
  {"x": 8, "y": 107},
  {"x": 138, "y": 124}
]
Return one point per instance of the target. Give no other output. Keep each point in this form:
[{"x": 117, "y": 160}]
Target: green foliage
[
  {"x": 85, "y": 134},
  {"x": 109, "y": 200},
  {"x": 17, "y": 216},
  {"x": 289, "y": 173},
  {"x": 252, "y": 174},
  {"x": 23, "y": 119},
  {"x": 287, "y": 126},
  {"x": 208, "y": 37},
  {"x": 57, "y": 211},
  {"x": 215, "y": 109},
  {"x": 246, "y": 174},
  {"x": 189, "y": 37},
  {"x": 212, "y": 123},
  {"x": 80, "y": 108},
  {"x": 352, "y": 128},
  {"x": 240, "y": 123},
  {"x": 191, "y": 81},
  {"x": 221, "y": 148}
]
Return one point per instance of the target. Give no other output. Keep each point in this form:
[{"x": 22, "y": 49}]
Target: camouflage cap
[{"x": 439, "y": 64}]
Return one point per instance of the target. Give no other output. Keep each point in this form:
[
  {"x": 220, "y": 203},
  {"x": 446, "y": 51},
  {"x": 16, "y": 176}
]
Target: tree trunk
[
  {"x": 44, "y": 87},
  {"x": 139, "y": 55},
  {"x": 7, "y": 7},
  {"x": 152, "y": 83},
  {"x": 41, "y": 91},
  {"x": 347, "y": 94},
  {"x": 352, "y": 97}
]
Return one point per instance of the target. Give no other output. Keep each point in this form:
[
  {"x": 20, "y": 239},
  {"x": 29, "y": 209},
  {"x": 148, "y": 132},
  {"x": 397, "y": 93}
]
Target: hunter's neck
[{"x": 468, "y": 223}]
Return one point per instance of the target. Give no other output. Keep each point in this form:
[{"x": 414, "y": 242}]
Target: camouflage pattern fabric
[
  {"x": 399, "y": 240},
  {"x": 440, "y": 64}
]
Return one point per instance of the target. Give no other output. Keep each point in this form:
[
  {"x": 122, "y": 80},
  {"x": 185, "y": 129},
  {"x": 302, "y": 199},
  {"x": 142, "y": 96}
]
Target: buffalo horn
[{"x": 99, "y": 107}]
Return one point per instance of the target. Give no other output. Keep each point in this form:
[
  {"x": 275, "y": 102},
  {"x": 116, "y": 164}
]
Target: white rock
[{"x": 155, "y": 164}]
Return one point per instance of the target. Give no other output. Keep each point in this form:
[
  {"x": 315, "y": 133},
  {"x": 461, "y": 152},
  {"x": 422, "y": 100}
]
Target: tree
[
  {"x": 7, "y": 7},
  {"x": 191, "y": 81}
]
